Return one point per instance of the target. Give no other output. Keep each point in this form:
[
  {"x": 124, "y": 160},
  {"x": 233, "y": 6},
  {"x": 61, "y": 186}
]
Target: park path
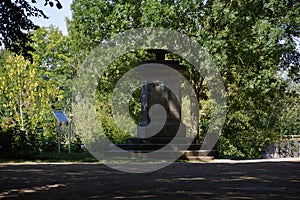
[{"x": 220, "y": 179}]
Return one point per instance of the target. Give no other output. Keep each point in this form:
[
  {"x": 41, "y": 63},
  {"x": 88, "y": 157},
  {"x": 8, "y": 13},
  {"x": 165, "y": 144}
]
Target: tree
[
  {"x": 26, "y": 100},
  {"x": 289, "y": 123},
  {"x": 15, "y": 23},
  {"x": 43, "y": 84},
  {"x": 54, "y": 60},
  {"x": 250, "y": 42},
  {"x": 246, "y": 42}
]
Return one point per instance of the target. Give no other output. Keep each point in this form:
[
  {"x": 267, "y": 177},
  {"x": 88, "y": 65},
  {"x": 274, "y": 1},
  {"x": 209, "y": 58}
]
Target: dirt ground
[{"x": 216, "y": 180}]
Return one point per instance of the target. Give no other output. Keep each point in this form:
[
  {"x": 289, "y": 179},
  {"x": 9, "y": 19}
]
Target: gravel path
[{"x": 219, "y": 179}]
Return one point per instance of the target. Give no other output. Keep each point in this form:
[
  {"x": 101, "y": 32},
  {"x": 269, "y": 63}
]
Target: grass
[
  {"x": 53, "y": 157},
  {"x": 70, "y": 157}
]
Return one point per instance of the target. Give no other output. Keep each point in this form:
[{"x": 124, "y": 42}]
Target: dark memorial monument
[
  {"x": 161, "y": 110},
  {"x": 156, "y": 91}
]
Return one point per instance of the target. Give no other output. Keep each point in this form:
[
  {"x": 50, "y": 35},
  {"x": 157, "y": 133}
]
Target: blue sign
[{"x": 60, "y": 116}]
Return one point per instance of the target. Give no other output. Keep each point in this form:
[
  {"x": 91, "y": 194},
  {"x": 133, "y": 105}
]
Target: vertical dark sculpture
[
  {"x": 156, "y": 130},
  {"x": 156, "y": 91}
]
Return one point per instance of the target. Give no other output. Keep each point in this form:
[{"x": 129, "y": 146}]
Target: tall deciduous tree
[
  {"x": 249, "y": 41},
  {"x": 25, "y": 98},
  {"x": 54, "y": 60}
]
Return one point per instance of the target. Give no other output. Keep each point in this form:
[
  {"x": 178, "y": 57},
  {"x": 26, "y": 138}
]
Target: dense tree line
[{"x": 252, "y": 43}]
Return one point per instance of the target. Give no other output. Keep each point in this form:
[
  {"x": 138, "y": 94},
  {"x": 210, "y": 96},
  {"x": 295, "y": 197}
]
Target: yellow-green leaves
[{"x": 24, "y": 95}]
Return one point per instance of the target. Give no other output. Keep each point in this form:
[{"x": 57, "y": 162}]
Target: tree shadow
[{"x": 262, "y": 180}]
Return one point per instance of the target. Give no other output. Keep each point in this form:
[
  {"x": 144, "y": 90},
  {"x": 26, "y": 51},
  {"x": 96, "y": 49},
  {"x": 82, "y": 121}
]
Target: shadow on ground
[{"x": 262, "y": 180}]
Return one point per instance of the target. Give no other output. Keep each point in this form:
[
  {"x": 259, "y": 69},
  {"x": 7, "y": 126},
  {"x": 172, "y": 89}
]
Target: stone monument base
[{"x": 142, "y": 146}]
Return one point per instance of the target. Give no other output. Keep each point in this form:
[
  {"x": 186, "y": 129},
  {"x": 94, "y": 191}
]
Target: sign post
[{"x": 61, "y": 117}]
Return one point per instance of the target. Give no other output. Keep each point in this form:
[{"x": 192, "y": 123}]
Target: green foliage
[
  {"x": 250, "y": 42},
  {"x": 289, "y": 123},
  {"x": 104, "y": 94},
  {"x": 16, "y": 24},
  {"x": 112, "y": 131},
  {"x": 227, "y": 149},
  {"x": 54, "y": 60},
  {"x": 26, "y": 101},
  {"x": 31, "y": 90},
  {"x": 245, "y": 40}
]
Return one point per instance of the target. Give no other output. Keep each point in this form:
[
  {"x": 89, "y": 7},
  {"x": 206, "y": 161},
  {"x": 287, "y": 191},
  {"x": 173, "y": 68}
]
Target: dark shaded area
[
  {"x": 276, "y": 180},
  {"x": 15, "y": 23}
]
